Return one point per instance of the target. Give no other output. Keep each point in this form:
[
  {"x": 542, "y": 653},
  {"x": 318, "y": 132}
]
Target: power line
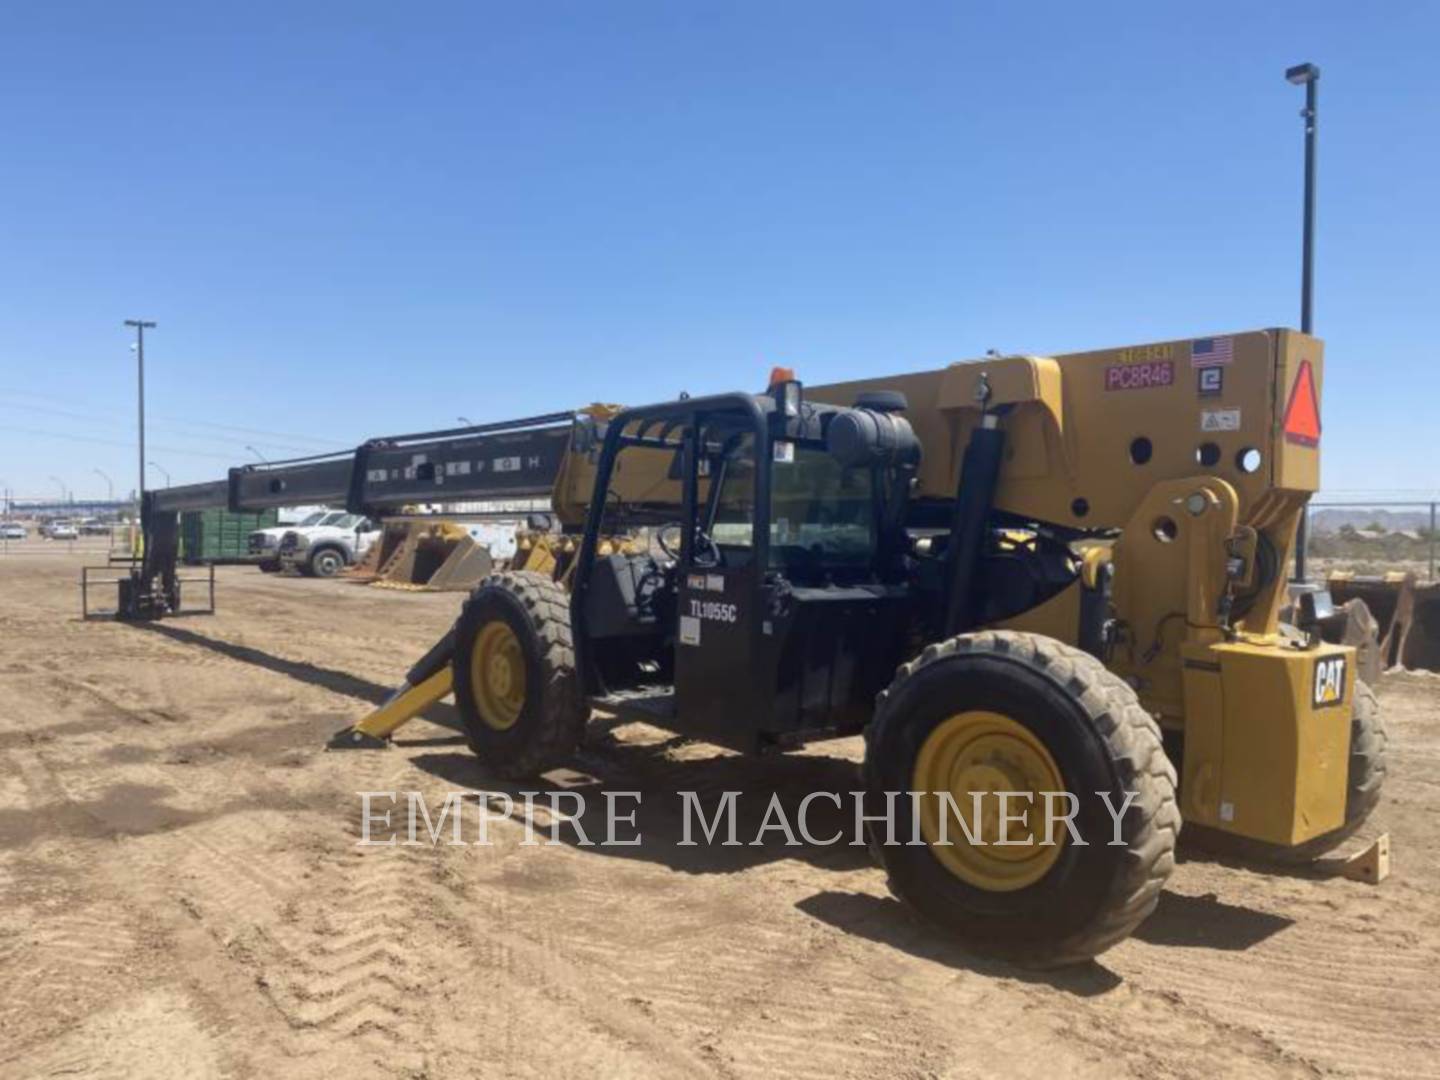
[
  {"x": 306, "y": 438},
  {"x": 92, "y": 418},
  {"x": 71, "y": 437}
]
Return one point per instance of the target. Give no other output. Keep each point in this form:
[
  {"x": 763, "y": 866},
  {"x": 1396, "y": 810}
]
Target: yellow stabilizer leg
[{"x": 399, "y": 708}]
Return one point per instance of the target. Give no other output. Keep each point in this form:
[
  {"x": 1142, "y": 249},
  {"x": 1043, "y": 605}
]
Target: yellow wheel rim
[
  {"x": 497, "y": 676},
  {"x": 984, "y": 753}
]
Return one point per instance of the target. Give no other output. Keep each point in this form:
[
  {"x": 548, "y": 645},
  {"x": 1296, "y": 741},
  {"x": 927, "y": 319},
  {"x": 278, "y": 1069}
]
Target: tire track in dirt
[
  {"x": 309, "y": 922},
  {"x": 64, "y": 961},
  {"x": 1379, "y": 994},
  {"x": 537, "y": 975},
  {"x": 156, "y": 1034},
  {"x": 335, "y": 960}
]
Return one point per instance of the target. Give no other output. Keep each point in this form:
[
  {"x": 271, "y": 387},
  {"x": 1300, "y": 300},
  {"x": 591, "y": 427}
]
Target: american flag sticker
[{"x": 1211, "y": 351}]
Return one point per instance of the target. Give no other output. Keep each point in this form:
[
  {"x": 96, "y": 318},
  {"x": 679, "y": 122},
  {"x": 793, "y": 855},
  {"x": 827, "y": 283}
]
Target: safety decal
[
  {"x": 1210, "y": 381},
  {"x": 1302, "y": 412},
  {"x": 689, "y": 630},
  {"x": 1220, "y": 420}
]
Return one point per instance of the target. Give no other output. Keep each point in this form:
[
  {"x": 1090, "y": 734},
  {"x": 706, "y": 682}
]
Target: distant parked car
[
  {"x": 61, "y": 530},
  {"x": 13, "y": 530},
  {"x": 95, "y": 527}
]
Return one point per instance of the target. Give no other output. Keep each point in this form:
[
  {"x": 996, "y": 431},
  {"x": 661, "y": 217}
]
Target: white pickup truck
[
  {"x": 264, "y": 544},
  {"x": 327, "y": 547}
]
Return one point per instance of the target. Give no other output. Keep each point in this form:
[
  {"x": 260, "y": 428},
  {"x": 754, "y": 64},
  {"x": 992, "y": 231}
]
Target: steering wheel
[{"x": 706, "y": 551}]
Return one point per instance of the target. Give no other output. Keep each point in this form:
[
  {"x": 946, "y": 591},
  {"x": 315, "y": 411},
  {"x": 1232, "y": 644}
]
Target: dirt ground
[{"x": 183, "y": 894}]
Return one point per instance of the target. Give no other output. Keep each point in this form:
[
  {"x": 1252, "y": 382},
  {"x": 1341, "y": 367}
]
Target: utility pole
[
  {"x": 141, "y": 325},
  {"x": 1308, "y": 76}
]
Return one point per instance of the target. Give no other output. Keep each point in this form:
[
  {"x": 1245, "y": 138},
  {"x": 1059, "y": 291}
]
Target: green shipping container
[{"x": 210, "y": 536}]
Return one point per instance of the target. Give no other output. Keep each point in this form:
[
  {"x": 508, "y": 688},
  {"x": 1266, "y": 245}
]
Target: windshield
[
  {"x": 311, "y": 519},
  {"x": 821, "y": 513},
  {"x": 338, "y": 518}
]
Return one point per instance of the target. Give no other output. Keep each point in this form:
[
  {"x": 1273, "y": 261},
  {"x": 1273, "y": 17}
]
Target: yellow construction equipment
[
  {"x": 1027, "y": 576},
  {"x": 423, "y": 555},
  {"x": 1405, "y": 613}
]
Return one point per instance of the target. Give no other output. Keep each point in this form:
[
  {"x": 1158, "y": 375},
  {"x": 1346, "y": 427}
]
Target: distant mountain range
[{"x": 1330, "y": 519}]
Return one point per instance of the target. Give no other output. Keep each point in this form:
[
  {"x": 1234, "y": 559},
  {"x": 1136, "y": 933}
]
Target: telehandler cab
[{"x": 1054, "y": 580}]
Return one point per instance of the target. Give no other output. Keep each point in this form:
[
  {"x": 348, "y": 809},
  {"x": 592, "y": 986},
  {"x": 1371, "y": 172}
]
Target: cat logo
[{"x": 1329, "y": 681}]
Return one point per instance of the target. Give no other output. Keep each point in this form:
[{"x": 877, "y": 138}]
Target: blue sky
[{"x": 360, "y": 219}]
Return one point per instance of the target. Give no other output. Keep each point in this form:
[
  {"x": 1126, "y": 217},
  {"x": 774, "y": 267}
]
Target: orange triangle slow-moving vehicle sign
[{"x": 1302, "y": 414}]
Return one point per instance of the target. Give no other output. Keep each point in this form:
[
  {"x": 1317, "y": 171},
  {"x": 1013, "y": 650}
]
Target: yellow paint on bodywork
[
  {"x": 405, "y": 705},
  {"x": 1057, "y": 617},
  {"x": 1261, "y": 760}
]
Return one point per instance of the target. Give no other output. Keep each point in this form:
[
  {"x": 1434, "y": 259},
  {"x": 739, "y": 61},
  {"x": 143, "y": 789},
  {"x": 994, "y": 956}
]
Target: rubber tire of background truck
[
  {"x": 325, "y": 562},
  {"x": 1368, "y": 745},
  {"x": 1100, "y": 738},
  {"x": 548, "y": 726}
]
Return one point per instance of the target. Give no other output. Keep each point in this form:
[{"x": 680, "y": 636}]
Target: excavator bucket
[
  {"x": 369, "y": 568},
  {"x": 398, "y": 569},
  {"x": 465, "y": 567},
  {"x": 435, "y": 556},
  {"x": 1406, "y": 615}
]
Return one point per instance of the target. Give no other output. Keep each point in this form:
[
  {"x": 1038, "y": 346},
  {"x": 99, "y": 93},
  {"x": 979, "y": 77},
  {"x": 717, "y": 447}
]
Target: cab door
[{"x": 718, "y": 694}]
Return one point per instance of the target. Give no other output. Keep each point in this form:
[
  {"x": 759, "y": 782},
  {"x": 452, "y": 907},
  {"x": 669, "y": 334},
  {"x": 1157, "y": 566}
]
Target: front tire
[
  {"x": 514, "y": 674},
  {"x": 327, "y": 562},
  {"x": 1010, "y": 711}
]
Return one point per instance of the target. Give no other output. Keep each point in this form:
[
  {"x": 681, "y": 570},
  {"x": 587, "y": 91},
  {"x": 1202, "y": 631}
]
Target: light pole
[
  {"x": 1308, "y": 76},
  {"x": 62, "y": 485},
  {"x": 164, "y": 471},
  {"x": 110, "y": 484},
  {"x": 466, "y": 421},
  {"x": 257, "y": 453},
  {"x": 141, "y": 325}
]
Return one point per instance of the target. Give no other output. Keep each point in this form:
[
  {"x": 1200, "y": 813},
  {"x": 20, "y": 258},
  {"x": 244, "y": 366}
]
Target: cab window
[
  {"x": 732, "y": 518},
  {"x": 822, "y": 515}
]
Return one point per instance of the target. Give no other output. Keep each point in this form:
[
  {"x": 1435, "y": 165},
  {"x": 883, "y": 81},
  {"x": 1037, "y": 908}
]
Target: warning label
[{"x": 1220, "y": 420}]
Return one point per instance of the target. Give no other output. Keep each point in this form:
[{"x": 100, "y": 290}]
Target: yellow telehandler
[{"x": 1034, "y": 583}]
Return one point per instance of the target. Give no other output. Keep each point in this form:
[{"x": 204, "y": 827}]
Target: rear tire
[
  {"x": 514, "y": 673},
  {"x": 1067, "y": 907}
]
